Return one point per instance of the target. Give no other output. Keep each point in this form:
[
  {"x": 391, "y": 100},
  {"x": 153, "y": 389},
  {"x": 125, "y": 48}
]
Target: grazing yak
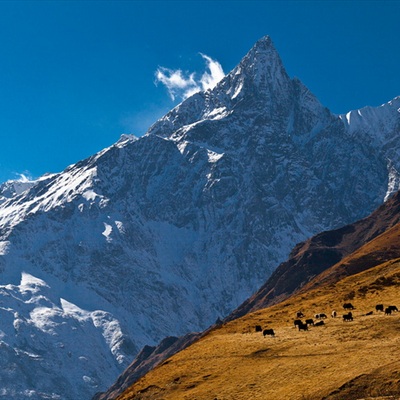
[
  {"x": 309, "y": 322},
  {"x": 302, "y": 327},
  {"x": 379, "y": 307},
  {"x": 388, "y": 311},
  {"x": 319, "y": 323},
  {"x": 393, "y": 308},
  {"x": 258, "y": 328},
  {"x": 299, "y": 314},
  {"x": 348, "y": 306},
  {"x": 348, "y": 317},
  {"x": 269, "y": 332},
  {"x": 334, "y": 314},
  {"x": 297, "y": 322},
  {"x": 320, "y": 316}
]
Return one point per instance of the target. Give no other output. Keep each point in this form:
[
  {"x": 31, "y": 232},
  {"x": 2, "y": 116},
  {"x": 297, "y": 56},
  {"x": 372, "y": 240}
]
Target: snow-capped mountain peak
[
  {"x": 260, "y": 78},
  {"x": 260, "y": 69}
]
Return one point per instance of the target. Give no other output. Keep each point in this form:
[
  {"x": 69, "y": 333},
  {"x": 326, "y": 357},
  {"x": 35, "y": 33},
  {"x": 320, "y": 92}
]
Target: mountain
[
  {"x": 160, "y": 235},
  {"x": 339, "y": 360},
  {"x": 318, "y": 263}
]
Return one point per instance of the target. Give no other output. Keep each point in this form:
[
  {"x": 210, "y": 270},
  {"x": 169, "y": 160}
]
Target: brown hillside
[
  {"x": 147, "y": 359},
  {"x": 340, "y": 360},
  {"x": 310, "y": 258}
]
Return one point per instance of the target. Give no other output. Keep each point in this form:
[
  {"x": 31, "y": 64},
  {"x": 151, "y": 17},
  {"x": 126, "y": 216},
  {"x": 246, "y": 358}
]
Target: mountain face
[
  {"x": 161, "y": 235},
  {"x": 322, "y": 260}
]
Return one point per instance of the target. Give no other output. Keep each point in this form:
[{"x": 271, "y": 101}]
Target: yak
[
  {"x": 348, "y": 317},
  {"x": 268, "y": 332},
  {"x": 303, "y": 327}
]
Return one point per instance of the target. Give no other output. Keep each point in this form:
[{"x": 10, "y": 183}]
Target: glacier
[{"x": 163, "y": 234}]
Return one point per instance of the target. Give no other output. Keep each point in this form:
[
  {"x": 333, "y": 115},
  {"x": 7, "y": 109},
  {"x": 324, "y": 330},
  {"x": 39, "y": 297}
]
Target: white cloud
[
  {"x": 177, "y": 82},
  {"x": 209, "y": 80},
  {"x": 24, "y": 178},
  {"x": 184, "y": 84}
]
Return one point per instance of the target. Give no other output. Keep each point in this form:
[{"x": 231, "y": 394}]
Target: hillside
[
  {"x": 309, "y": 262},
  {"x": 338, "y": 361}
]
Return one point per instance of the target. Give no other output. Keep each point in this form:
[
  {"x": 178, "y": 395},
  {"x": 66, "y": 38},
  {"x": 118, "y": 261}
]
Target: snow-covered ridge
[
  {"x": 60, "y": 188},
  {"x": 379, "y": 127},
  {"x": 384, "y": 115},
  {"x": 43, "y": 336},
  {"x": 15, "y": 187}
]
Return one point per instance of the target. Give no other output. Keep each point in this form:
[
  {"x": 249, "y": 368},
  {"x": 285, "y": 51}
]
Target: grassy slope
[{"x": 342, "y": 360}]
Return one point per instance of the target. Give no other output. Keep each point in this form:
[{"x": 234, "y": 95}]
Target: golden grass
[{"x": 338, "y": 361}]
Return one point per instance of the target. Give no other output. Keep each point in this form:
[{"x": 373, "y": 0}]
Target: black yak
[
  {"x": 348, "y": 317},
  {"x": 268, "y": 332}
]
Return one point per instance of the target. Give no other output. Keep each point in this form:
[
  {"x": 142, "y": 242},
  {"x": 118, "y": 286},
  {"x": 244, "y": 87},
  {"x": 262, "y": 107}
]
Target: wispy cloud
[
  {"x": 209, "y": 80},
  {"x": 182, "y": 84},
  {"x": 24, "y": 177}
]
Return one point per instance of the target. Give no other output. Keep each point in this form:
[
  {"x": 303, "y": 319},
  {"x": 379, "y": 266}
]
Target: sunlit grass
[{"x": 340, "y": 360}]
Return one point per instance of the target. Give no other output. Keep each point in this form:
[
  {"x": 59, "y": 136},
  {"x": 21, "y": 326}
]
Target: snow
[
  {"x": 107, "y": 231},
  {"x": 40, "y": 329},
  {"x": 213, "y": 156},
  {"x": 120, "y": 227},
  {"x": 89, "y": 195},
  {"x": 4, "y": 247},
  {"x": 216, "y": 113},
  {"x": 237, "y": 90},
  {"x": 393, "y": 181},
  {"x": 30, "y": 283}
]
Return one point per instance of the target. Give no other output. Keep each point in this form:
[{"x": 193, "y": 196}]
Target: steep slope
[
  {"x": 340, "y": 360},
  {"x": 310, "y": 259},
  {"x": 165, "y": 233},
  {"x": 148, "y": 358},
  {"x": 321, "y": 261}
]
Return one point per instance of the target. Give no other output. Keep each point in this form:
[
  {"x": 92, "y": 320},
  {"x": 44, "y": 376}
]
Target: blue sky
[{"x": 75, "y": 75}]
